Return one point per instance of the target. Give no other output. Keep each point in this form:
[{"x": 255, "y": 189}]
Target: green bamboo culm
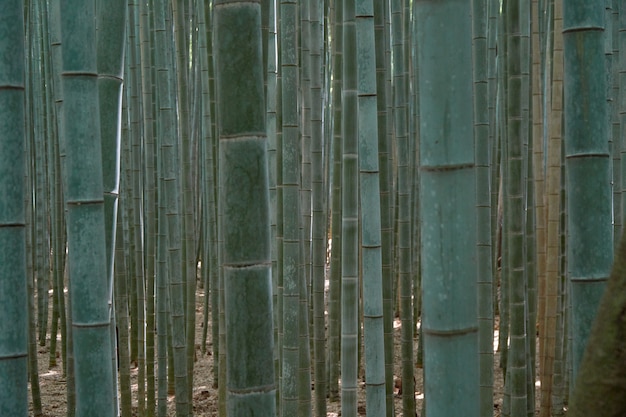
[
  {"x": 371, "y": 231},
  {"x": 587, "y": 163},
  {"x": 448, "y": 206},
  {"x": 349, "y": 219},
  {"x": 89, "y": 287},
  {"x": 483, "y": 200},
  {"x": 111, "y": 37},
  {"x": 244, "y": 197},
  {"x": 290, "y": 180},
  {"x": 13, "y": 293}
]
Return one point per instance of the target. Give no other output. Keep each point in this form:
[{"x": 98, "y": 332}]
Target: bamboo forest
[{"x": 322, "y": 208}]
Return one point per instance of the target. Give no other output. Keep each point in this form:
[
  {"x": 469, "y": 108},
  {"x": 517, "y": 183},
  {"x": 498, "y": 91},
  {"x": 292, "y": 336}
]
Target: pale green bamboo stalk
[
  {"x": 244, "y": 198},
  {"x": 161, "y": 299},
  {"x": 64, "y": 303},
  {"x": 371, "y": 239},
  {"x": 291, "y": 208},
  {"x": 405, "y": 286},
  {"x": 56, "y": 207},
  {"x": 483, "y": 209},
  {"x": 134, "y": 197},
  {"x": 111, "y": 37},
  {"x": 169, "y": 153},
  {"x": 334, "y": 296},
  {"x": 35, "y": 120},
  {"x": 184, "y": 64},
  {"x": 611, "y": 53},
  {"x": 89, "y": 287},
  {"x": 121, "y": 306},
  {"x": 447, "y": 197},
  {"x": 553, "y": 201},
  {"x": 384, "y": 145},
  {"x": 319, "y": 204},
  {"x": 589, "y": 241},
  {"x": 13, "y": 291},
  {"x": 517, "y": 28},
  {"x": 622, "y": 101},
  {"x": 150, "y": 199},
  {"x": 305, "y": 185},
  {"x": 539, "y": 111},
  {"x": 349, "y": 217}
]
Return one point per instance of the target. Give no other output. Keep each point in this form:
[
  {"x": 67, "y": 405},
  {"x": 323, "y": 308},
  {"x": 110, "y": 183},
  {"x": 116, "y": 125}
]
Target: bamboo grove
[{"x": 336, "y": 181}]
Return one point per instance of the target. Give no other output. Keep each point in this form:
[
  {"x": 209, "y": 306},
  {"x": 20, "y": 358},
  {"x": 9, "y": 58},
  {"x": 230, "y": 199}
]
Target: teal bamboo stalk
[
  {"x": 349, "y": 216},
  {"x": 89, "y": 287},
  {"x": 56, "y": 206},
  {"x": 290, "y": 177},
  {"x": 280, "y": 247},
  {"x": 184, "y": 64},
  {"x": 13, "y": 288},
  {"x": 334, "y": 293},
  {"x": 371, "y": 239},
  {"x": 161, "y": 303},
  {"x": 548, "y": 342},
  {"x": 517, "y": 28},
  {"x": 110, "y": 42},
  {"x": 244, "y": 198},
  {"x": 169, "y": 153},
  {"x": 33, "y": 373},
  {"x": 611, "y": 53},
  {"x": 305, "y": 305},
  {"x": 150, "y": 198},
  {"x": 121, "y": 313},
  {"x": 405, "y": 285},
  {"x": 134, "y": 194},
  {"x": 483, "y": 209},
  {"x": 384, "y": 145},
  {"x": 32, "y": 118},
  {"x": 589, "y": 241},
  {"x": 622, "y": 101},
  {"x": 272, "y": 97},
  {"x": 37, "y": 129},
  {"x": 538, "y": 158},
  {"x": 132, "y": 165},
  {"x": 447, "y": 197},
  {"x": 319, "y": 230}
]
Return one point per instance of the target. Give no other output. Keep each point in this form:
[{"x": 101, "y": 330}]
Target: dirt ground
[{"x": 53, "y": 392}]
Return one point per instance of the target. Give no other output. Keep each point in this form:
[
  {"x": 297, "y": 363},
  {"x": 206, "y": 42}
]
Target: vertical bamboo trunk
[
  {"x": 290, "y": 179},
  {"x": 448, "y": 205},
  {"x": 349, "y": 217},
  {"x": 111, "y": 37},
  {"x": 170, "y": 177},
  {"x": 150, "y": 199},
  {"x": 515, "y": 183},
  {"x": 554, "y": 129},
  {"x": 588, "y": 182},
  {"x": 334, "y": 312},
  {"x": 13, "y": 294},
  {"x": 384, "y": 146},
  {"x": 369, "y": 178},
  {"x": 319, "y": 212},
  {"x": 403, "y": 254},
  {"x": 483, "y": 196},
  {"x": 89, "y": 286},
  {"x": 244, "y": 197}
]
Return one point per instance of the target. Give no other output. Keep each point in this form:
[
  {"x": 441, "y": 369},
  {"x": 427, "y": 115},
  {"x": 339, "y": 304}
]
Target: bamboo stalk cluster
[{"x": 463, "y": 159}]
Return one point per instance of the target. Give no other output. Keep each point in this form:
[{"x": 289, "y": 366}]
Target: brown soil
[{"x": 53, "y": 392}]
